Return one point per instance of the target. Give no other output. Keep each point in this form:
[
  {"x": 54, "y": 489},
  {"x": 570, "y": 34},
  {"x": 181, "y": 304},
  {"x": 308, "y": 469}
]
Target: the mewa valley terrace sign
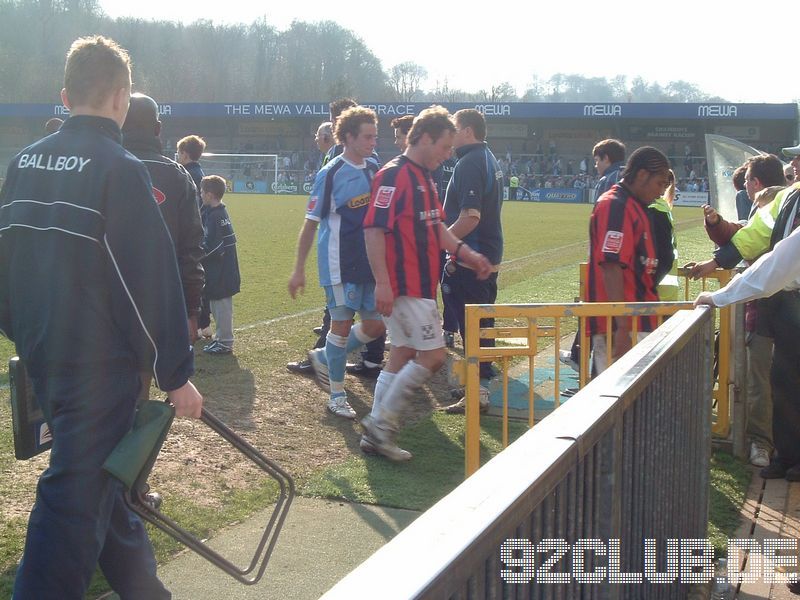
[{"x": 513, "y": 110}]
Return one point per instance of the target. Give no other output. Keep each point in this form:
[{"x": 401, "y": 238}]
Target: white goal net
[{"x": 247, "y": 173}]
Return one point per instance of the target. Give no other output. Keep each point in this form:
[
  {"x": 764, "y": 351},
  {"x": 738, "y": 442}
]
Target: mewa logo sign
[
  {"x": 602, "y": 110},
  {"x": 717, "y": 110}
]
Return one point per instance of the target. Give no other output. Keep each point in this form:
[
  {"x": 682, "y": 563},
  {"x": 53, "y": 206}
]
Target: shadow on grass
[
  {"x": 437, "y": 442},
  {"x": 229, "y": 390}
]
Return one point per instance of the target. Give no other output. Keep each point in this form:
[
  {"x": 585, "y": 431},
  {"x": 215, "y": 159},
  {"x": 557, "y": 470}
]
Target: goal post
[{"x": 246, "y": 173}]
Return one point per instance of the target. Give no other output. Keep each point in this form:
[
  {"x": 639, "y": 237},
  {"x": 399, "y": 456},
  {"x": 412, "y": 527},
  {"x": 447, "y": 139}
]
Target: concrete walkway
[
  {"x": 771, "y": 510},
  {"x": 321, "y": 541}
]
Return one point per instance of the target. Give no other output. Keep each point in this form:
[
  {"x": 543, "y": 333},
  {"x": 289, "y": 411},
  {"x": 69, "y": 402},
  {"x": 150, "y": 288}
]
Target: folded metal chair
[
  {"x": 134, "y": 457},
  {"x": 132, "y": 461}
]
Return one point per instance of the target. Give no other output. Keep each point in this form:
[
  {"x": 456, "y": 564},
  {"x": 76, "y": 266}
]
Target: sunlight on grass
[{"x": 544, "y": 244}]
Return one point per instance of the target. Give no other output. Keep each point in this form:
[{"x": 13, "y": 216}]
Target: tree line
[{"x": 208, "y": 62}]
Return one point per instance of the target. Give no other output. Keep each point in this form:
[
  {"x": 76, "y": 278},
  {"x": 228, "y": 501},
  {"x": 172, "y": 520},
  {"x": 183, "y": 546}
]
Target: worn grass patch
[{"x": 438, "y": 443}]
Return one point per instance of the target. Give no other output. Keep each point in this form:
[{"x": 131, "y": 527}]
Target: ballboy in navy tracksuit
[
  {"x": 220, "y": 263},
  {"x": 91, "y": 296}
]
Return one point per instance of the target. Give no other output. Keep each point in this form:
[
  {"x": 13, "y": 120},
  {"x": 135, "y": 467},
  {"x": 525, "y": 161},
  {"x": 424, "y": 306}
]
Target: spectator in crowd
[
  {"x": 190, "y": 150},
  {"x": 338, "y": 203},
  {"x": 763, "y": 179},
  {"x": 472, "y": 207},
  {"x": 774, "y": 277},
  {"x": 609, "y": 160},
  {"x": 406, "y": 264},
  {"x": 622, "y": 253},
  {"x": 175, "y": 194},
  {"x": 753, "y": 239},
  {"x": 513, "y": 185},
  {"x": 793, "y": 154},
  {"x": 401, "y": 127},
  {"x": 720, "y": 231},
  {"x": 324, "y": 140},
  {"x": 221, "y": 263},
  {"x": 758, "y": 344},
  {"x": 90, "y": 294},
  {"x": 661, "y": 220}
]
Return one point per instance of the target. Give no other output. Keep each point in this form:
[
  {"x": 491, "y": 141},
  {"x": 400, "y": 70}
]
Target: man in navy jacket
[
  {"x": 90, "y": 295},
  {"x": 175, "y": 193}
]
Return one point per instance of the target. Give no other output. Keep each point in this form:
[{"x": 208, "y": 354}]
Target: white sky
[{"x": 477, "y": 44}]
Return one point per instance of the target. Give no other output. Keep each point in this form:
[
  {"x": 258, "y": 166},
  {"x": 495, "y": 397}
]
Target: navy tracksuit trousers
[{"x": 79, "y": 519}]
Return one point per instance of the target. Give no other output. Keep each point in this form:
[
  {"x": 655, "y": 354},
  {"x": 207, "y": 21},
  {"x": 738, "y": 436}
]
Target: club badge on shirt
[
  {"x": 159, "y": 195},
  {"x": 613, "y": 242},
  {"x": 383, "y": 196}
]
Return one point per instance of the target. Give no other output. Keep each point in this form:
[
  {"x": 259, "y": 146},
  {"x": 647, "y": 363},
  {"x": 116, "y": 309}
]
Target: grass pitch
[
  {"x": 540, "y": 239},
  {"x": 283, "y": 414}
]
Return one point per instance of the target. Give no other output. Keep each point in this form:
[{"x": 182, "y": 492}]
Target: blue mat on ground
[{"x": 544, "y": 376}]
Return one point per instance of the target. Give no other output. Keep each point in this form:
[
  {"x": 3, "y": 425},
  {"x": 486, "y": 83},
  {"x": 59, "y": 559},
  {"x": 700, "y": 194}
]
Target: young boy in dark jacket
[{"x": 220, "y": 263}]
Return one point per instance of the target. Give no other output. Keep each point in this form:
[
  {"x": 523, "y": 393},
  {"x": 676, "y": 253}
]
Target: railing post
[
  {"x": 472, "y": 446},
  {"x": 739, "y": 385}
]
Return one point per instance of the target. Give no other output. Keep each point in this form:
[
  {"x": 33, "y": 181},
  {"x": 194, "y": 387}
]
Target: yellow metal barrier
[
  {"x": 532, "y": 315},
  {"x": 721, "y": 394},
  {"x": 721, "y": 426}
]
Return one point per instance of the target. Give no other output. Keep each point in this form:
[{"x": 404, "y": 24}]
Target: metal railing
[
  {"x": 721, "y": 393},
  {"x": 627, "y": 458},
  {"x": 538, "y": 318},
  {"x": 535, "y": 316}
]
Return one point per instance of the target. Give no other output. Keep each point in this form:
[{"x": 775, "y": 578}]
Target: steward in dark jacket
[{"x": 175, "y": 194}]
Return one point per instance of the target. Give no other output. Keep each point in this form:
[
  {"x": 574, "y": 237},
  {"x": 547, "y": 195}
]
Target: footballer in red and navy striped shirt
[
  {"x": 405, "y": 234},
  {"x": 622, "y": 251},
  {"x": 405, "y": 204}
]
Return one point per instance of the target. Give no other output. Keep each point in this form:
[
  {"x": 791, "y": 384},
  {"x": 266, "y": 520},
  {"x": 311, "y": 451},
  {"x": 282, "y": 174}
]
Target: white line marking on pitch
[{"x": 505, "y": 262}]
